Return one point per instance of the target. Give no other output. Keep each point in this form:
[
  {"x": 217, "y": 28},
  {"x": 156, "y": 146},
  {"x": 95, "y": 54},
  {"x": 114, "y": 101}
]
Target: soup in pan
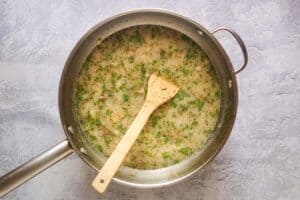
[{"x": 112, "y": 87}]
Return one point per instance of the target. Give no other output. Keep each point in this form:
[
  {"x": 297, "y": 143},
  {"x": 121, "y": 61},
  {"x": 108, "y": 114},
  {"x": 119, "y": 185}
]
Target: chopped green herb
[
  {"x": 186, "y": 151},
  {"x": 166, "y": 138},
  {"x": 167, "y": 72},
  {"x": 99, "y": 101},
  {"x": 185, "y": 71},
  {"x": 183, "y": 108},
  {"x": 163, "y": 54},
  {"x": 173, "y": 104},
  {"x": 99, "y": 148},
  {"x": 109, "y": 112},
  {"x": 131, "y": 59},
  {"x": 123, "y": 87},
  {"x": 93, "y": 121},
  {"x": 178, "y": 141},
  {"x": 186, "y": 39},
  {"x": 214, "y": 114},
  {"x": 121, "y": 64},
  {"x": 79, "y": 94},
  {"x": 176, "y": 161},
  {"x": 107, "y": 55},
  {"x": 191, "y": 54},
  {"x": 136, "y": 38},
  {"x": 107, "y": 140},
  {"x": 185, "y": 127},
  {"x": 121, "y": 128},
  {"x": 154, "y": 120},
  {"x": 199, "y": 104},
  {"x": 141, "y": 67},
  {"x": 119, "y": 38},
  {"x": 158, "y": 134},
  {"x": 132, "y": 157},
  {"x": 104, "y": 89},
  {"x": 146, "y": 153},
  {"x": 125, "y": 97},
  {"x": 208, "y": 131},
  {"x": 166, "y": 155},
  {"x": 194, "y": 123},
  {"x": 89, "y": 60},
  {"x": 181, "y": 95},
  {"x": 92, "y": 138},
  {"x": 218, "y": 93},
  {"x": 155, "y": 31}
]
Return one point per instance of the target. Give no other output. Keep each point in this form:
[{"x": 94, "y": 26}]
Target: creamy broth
[{"x": 112, "y": 87}]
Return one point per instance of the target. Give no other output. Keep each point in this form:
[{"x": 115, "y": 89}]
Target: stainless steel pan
[{"x": 75, "y": 138}]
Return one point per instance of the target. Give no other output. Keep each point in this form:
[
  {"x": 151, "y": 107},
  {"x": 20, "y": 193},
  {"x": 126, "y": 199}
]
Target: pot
[{"x": 76, "y": 141}]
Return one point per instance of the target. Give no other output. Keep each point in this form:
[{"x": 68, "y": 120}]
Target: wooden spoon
[{"x": 159, "y": 92}]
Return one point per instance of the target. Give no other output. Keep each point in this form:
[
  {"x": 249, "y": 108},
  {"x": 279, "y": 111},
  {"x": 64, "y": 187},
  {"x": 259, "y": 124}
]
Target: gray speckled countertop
[{"x": 261, "y": 159}]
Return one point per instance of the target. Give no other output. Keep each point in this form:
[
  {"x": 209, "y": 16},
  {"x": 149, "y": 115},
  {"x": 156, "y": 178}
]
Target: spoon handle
[{"x": 113, "y": 163}]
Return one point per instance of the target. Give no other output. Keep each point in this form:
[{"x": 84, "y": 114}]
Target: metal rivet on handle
[
  {"x": 200, "y": 32},
  {"x": 70, "y": 129},
  {"x": 230, "y": 83},
  {"x": 82, "y": 150}
]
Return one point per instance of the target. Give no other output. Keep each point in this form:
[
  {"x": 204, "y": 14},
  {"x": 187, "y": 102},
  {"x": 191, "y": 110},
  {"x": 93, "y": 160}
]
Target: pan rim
[{"x": 159, "y": 11}]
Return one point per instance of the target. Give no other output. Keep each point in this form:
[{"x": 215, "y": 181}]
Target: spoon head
[{"x": 160, "y": 90}]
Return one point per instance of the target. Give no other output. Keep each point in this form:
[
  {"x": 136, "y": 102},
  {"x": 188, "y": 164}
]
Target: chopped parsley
[
  {"x": 99, "y": 148},
  {"x": 154, "y": 120},
  {"x": 132, "y": 157},
  {"x": 137, "y": 38},
  {"x": 158, "y": 134},
  {"x": 92, "y": 138},
  {"x": 93, "y": 121},
  {"x": 125, "y": 97},
  {"x": 173, "y": 104},
  {"x": 191, "y": 53},
  {"x": 186, "y": 151},
  {"x": 107, "y": 140},
  {"x": 181, "y": 95},
  {"x": 184, "y": 71},
  {"x": 131, "y": 59},
  {"x": 166, "y": 155},
  {"x": 163, "y": 54},
  {"x": 218, "y": 93},
  {"x": 199, "y": 104},
  {"x": 183, "y": 108},
  {"x": 208, "y": 131},
  {"x": 79, "y": 94}
]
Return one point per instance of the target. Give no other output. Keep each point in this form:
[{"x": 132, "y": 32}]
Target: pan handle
[
  {"x": 33, "y": 167},
  {"x": 240, "y": 42}
]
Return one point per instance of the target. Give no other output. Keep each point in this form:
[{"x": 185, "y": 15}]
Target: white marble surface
[{"x": 261, "y": 159}]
